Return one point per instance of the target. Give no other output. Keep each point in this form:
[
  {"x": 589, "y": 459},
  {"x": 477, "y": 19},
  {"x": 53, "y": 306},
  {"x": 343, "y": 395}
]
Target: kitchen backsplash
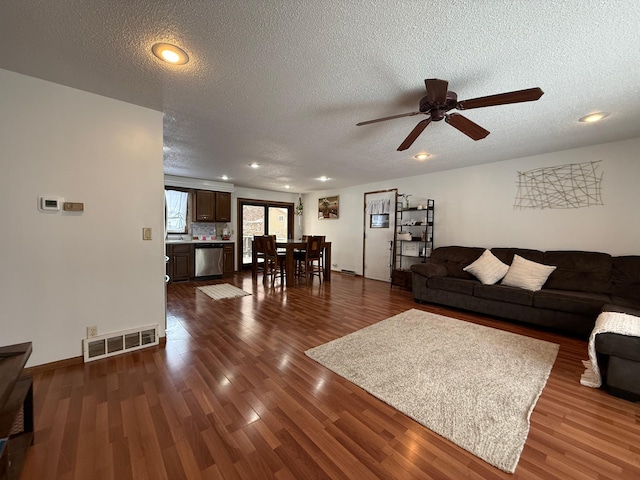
[{"x": 208, "y": 229}]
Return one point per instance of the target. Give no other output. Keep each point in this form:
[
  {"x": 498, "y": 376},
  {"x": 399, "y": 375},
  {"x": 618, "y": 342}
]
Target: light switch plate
[
  {"x": 146, "y": 233},
  {"x": 73, "y": 206}
]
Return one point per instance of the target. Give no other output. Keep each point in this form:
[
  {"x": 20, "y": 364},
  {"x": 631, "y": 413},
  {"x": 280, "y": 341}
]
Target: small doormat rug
[
  {"x": 474, "y": 385},
  {"x": 223, "y": 290}
]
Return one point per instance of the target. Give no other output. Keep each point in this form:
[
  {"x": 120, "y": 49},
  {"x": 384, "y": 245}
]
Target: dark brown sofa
[
  {"x": 570, "y": 301},
  {"x": 619, "y": 360},
  {"x": 582, "y": 286}
]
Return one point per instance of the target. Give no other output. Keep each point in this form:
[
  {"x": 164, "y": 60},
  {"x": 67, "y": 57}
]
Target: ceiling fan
[{"x": 438, "y": 101}]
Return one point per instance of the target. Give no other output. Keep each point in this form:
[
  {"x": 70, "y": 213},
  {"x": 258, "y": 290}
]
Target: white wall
[
  {"x": 474, "y": 207},
  {"x": 61, "y": 271}
]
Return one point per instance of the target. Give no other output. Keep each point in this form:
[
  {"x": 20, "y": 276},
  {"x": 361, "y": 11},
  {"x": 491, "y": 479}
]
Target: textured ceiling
[{"x": 283, "y": 83}]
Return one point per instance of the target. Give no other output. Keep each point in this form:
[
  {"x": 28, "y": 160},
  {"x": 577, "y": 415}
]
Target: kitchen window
[{"x": 176, "y": 206}]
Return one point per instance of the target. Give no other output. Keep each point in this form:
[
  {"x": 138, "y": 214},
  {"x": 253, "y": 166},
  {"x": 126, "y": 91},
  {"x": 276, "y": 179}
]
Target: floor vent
[
  {"x": 348, "y": 272},
  {"x": 111, "y": 344}
]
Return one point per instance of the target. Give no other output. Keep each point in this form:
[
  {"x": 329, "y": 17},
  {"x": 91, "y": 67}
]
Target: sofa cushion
[
  {"x": 579, "y": 271},
  {"x": 504, "y": 294},
  {"x": 625, "y": 303},
  {"x": 584, "y": 303},
  {"x": 449, "y": 284},
  {"x": 455, "y": 259},
  {"x": 616, "y": 307},
  {"x": 618, "y": 345},
  {"x": 626, "y": 277},
  {"x": 429, "y": 269},
  {"x": 506, "y": 255},
  {"x": 488, "y": 269},
  {"x": 526, "y": 274}
]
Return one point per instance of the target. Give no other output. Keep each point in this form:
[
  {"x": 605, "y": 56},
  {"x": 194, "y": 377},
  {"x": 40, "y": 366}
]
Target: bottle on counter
[{"x": 213, "y": 234}]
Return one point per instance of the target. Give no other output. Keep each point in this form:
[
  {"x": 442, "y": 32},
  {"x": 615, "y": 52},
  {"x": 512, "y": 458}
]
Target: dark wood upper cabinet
[
  {"x": 223, "y": 207},
  {"x": 204, "y": 204}
]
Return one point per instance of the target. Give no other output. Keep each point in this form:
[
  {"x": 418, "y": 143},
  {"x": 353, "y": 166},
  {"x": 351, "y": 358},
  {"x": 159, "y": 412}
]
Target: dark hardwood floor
[{"x": 233, "y": 396}]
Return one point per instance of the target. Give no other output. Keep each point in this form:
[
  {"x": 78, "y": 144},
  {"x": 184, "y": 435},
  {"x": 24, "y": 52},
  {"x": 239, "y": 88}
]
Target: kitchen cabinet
[
  {"x": 180, "y": 266},
  {"x": 227, "y": 267},
  {"x": 211, "y": 206},
  {"x": 223, "y": 206},
  {"x": 204, "y": 206}
]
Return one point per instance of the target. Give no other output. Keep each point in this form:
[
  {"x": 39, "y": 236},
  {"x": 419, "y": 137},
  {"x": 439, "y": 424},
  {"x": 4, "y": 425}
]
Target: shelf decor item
[{"x": 405, "y": 198}]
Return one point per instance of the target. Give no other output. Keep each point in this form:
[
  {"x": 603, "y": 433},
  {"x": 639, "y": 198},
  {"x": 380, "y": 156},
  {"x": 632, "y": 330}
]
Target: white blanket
[{"x": 607, "y": 322}]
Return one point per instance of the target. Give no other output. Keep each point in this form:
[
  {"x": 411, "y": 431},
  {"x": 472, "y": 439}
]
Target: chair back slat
[
  {"x": 258, "y": 243},
  {"x": 270, "y": 245},
  {"x": 314, "y": 246}
]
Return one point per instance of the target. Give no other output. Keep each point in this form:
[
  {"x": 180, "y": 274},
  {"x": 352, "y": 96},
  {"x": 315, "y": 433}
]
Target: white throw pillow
[
  {"x": 526, "y": 274},
  {"x": 487, "y": 268}
]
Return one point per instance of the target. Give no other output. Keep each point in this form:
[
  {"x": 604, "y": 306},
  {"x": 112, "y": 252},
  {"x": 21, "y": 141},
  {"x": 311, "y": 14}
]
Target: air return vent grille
[{"x": 111, "y": 344}]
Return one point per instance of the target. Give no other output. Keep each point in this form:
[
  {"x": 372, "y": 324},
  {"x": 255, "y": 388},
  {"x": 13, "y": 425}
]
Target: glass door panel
[
  {"x": 253, "y": 223},
  {"x": 278, "y": 223}
]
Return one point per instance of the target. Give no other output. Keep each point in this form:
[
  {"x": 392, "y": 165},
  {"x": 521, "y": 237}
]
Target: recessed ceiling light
[
  {"x": 224, "y": 177},
  {"x": 422, "y": 156},
  {"x": 593, "y": 117},
  {"x": 170, "y": 53},
  {"x": 324, "y": 179},
  {"x": 254, "y": 165},
  {"x": 287, "y": 187}
]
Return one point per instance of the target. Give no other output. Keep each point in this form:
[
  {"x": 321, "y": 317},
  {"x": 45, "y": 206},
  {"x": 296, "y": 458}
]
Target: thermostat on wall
[{"x": 50, "y": 203}]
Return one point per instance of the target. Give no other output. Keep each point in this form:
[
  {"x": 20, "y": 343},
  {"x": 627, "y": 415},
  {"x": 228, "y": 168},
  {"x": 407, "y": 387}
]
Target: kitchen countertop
[{"x": 177, "y": 241}]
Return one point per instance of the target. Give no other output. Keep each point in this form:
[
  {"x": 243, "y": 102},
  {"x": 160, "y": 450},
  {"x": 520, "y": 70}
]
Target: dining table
[{"x": 290, "y": 246}]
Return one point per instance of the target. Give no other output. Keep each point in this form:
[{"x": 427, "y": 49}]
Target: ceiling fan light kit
[{"x": 439, "y": 100}]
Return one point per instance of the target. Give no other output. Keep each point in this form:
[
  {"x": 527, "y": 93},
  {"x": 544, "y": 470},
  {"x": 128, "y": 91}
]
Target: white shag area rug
[
  {"x": 223, "y": 290},
  {"x": 474, "y": 385}
]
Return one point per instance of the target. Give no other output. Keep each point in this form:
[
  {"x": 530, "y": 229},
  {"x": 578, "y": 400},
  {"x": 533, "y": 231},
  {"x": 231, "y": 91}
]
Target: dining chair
[
  {"x": 298, "y": 256},
  {"x": 258, "y": 248},
  {"x": 274, "y": 261},
  {"x": 311, "y": 266}
]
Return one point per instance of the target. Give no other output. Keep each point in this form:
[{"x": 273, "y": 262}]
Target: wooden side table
[{"x": 16, "y": 409}]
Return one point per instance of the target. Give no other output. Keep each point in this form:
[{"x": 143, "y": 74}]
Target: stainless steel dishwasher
[{"x": 209, "y": 259}]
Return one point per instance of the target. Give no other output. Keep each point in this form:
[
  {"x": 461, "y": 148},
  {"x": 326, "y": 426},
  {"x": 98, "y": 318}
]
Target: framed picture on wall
[{"x": 328, "y": 207}]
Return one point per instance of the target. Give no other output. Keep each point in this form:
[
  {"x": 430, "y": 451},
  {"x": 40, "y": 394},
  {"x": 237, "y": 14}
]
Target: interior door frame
[
  {"x": 241, "y": 202},
  {"x": 364, "y": 227}
]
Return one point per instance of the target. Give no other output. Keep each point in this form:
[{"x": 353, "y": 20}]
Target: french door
[{"x": 258, "y": 217}]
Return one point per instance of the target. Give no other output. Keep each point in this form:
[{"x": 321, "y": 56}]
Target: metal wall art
[{"x": 575, "y": 185}]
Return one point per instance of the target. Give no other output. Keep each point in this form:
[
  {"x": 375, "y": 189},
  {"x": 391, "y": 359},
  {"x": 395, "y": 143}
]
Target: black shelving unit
[{"x": 414, "y": 232}]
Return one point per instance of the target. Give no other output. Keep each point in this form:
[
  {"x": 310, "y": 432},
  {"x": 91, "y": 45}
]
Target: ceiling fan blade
[
  {"x": 436, "y": 90},
  {"x": 527, "y": 95},
  {"x": 388, "y": 118},
  {"x": 466, "y": 126},
  {"x": 415, "y": 133}
]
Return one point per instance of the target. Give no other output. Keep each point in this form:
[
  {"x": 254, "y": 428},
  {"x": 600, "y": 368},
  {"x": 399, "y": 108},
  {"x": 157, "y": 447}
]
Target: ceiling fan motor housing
[{"x": 438, "y": 110}]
